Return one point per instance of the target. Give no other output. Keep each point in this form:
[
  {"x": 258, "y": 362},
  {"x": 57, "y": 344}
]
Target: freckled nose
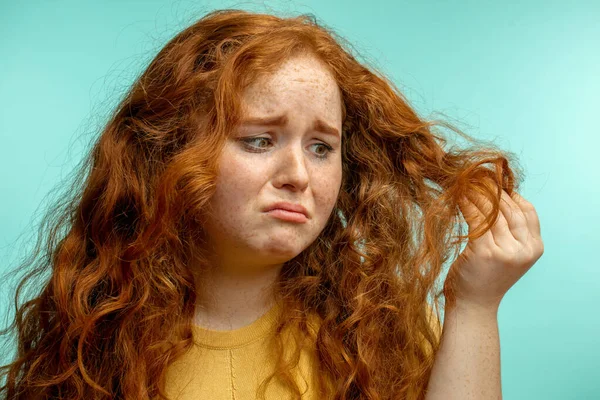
[{"x": 292, "y": 169}]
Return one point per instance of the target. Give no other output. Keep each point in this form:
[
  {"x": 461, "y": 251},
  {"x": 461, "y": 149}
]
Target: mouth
[
  {"x": 287, "y": 215},
  {"x": 288, "y": 207}
]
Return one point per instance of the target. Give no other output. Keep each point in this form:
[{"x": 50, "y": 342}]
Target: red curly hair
[{"x": 115, "y": 308}]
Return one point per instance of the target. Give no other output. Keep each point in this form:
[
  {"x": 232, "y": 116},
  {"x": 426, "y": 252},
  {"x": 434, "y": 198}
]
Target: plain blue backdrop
[{"x": 524, "y": 74}]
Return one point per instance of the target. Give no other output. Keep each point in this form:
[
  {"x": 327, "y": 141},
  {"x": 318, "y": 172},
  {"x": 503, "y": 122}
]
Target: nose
[{"x": 291, "y": 168}]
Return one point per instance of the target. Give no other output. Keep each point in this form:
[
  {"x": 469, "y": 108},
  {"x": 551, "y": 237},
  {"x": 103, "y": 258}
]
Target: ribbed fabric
[
  {"x": 230, "y": 365},
  {"x": 237, "y": 337}
]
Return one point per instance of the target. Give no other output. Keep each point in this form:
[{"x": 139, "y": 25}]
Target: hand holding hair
[{"x": 490, "y": 265}]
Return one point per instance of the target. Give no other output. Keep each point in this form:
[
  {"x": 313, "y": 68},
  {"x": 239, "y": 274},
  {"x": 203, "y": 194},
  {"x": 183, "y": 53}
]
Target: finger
[
  {"x": 470, "y": 212},
  {"x": 515, "y": 218},
  {"x": 474, "y": 219},
  {"x": 500, "y": 229},
  {"x": 530, "y": 214}
]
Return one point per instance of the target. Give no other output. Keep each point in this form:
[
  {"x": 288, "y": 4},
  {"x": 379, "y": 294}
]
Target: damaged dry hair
[{"x": 116, "y": 304}]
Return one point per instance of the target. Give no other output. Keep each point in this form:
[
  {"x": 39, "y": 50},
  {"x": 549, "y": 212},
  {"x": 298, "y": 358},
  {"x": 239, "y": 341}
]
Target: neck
[{"x": 231, "y": 297}]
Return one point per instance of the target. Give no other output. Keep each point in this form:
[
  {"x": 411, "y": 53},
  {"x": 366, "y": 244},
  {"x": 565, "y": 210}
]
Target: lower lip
[{"x": 288, "y": 215}]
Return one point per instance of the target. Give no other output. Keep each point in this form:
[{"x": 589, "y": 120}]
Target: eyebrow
[{"x": 281, "y": 120}]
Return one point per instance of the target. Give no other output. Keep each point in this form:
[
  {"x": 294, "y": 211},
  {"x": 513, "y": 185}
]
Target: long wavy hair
[{"x": 116, "y": 304}]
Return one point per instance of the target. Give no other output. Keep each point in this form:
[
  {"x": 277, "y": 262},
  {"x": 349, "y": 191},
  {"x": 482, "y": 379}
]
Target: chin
[{"x": 282, "y": 253}]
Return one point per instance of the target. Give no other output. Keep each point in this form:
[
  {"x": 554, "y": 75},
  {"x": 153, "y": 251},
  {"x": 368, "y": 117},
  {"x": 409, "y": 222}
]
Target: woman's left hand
[{"x": 489, "y": 266}]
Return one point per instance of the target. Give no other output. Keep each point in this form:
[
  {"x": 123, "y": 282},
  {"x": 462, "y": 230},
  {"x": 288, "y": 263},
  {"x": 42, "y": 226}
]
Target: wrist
[{"x": 485, "y": 310}]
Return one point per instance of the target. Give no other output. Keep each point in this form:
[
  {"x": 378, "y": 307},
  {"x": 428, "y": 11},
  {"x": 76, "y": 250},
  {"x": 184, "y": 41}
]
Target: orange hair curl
[{"x": 118, "y": 305}]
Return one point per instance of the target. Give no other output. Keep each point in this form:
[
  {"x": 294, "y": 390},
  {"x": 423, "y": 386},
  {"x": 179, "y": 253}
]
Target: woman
[{"x": 257, "y": 221}]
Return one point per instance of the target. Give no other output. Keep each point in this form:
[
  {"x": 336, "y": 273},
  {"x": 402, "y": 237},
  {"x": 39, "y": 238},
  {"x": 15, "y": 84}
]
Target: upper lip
[{"x": 282, "y": 205}]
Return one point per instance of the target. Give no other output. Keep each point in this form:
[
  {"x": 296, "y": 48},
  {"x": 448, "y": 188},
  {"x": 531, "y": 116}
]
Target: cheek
[
  {"x": 238, "y": 181},
  {"x": 232, "y": 170},
  {"x": 329, "y": 187}
]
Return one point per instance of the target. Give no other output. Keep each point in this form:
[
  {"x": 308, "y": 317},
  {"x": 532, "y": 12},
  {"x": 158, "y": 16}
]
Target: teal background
[{"x": 524, "y": 74}]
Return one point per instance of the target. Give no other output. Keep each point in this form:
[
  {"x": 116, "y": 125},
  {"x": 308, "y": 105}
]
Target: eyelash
[{"x": 246, "y": 142}]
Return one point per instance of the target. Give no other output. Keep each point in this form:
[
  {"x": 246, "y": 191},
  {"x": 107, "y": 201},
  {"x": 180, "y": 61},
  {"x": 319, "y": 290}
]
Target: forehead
[
  {"x": 300, "y": 84},
  {"x": 282, "y": 120}
]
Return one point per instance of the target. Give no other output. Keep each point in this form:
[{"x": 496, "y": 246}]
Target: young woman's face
[{"x": 298, "y": 161}]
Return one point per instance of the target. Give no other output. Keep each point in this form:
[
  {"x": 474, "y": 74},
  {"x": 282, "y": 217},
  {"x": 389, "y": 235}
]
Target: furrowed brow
[{"x": 281, "y": 120}]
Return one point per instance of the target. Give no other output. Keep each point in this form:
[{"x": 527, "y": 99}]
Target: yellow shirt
[{"x": 230, "y": 365}]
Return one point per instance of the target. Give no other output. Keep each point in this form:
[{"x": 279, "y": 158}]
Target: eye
[
  {"x": 328, "y": 149},
  {"x": 258, "y": 149},
  {"x": 247, "y": 141}
]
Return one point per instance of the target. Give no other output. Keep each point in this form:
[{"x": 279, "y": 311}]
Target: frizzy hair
[{"x": 117, "y": 306}]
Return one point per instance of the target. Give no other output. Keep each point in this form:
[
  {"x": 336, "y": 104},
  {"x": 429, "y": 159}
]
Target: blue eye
[{"x": 247, "y": 141}]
